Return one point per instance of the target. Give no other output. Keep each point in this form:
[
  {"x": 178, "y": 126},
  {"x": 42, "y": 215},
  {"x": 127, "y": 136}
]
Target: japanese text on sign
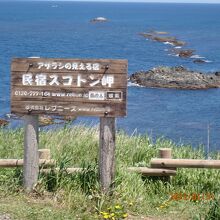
[
  {"x": 65, "y": 87},
  {"x": 67, "y": 80},
  {"x": 69, "y": 66}
]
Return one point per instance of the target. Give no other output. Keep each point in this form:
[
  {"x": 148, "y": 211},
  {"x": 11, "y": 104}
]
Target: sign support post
[
  {"x": 107, "y": 153},
  {"x": 69, "y": 87},
  {"x": 31, "y": 156}
]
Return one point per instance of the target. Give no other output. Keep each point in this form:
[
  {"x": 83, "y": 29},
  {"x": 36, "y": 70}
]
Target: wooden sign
[{"x": 78, "y": 87}]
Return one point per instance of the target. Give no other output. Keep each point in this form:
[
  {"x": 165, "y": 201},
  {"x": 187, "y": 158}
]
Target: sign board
[{"x": 65, "y": 87}]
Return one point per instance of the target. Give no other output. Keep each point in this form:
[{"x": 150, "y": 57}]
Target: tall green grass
[{"x": 78, "y": 196}]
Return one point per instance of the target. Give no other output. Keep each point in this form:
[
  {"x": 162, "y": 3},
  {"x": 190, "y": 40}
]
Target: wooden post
[
  {"x": 44, "y": 154},
  {"x": 166, "y": 153},
  {"x": 107, "y": 153},
  {"x": 31, "y": 157}
]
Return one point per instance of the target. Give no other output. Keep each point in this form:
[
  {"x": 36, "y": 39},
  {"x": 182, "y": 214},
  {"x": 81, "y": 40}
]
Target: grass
[{"x": 78, "y": 196}]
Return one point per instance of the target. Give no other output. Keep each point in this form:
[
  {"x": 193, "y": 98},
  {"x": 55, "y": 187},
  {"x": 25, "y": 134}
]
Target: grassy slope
[{"x": 61, "y": 196}]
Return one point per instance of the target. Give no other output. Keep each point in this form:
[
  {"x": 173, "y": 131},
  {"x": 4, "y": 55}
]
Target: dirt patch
[{"x": 5, "y": 216}]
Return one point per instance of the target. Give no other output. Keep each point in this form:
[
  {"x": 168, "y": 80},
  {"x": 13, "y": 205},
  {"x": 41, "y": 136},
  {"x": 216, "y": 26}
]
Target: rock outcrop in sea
[
  {"x": 186, "y": 53},
  {"x": 178, "y": 45},
  {"x": 3, "y": 122},
  {"x": 99, "y": 19},
  {"x": 176, "y": 77},
  {"x": 165, "y": 39}
]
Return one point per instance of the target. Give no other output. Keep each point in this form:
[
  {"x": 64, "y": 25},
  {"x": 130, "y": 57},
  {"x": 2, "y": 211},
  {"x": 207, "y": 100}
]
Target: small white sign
[{"x": 96, "y": 95}]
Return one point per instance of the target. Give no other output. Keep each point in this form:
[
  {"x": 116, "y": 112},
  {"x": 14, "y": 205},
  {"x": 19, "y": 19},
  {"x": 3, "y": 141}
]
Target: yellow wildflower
[
  {"x": 104, "y": 213},
  {"x": 125, "y": 215},
  {"x": 106, "y": 216},
  {"x": 113, "y": 214},
  {"x": 118, "y": 207}
]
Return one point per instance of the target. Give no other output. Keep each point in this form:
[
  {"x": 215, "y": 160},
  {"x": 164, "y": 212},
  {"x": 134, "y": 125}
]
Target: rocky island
[
  {"x": 176, "y": 77},
  {"x": 176, "y": 46},
  {"x": 165, "y": 39},
  {"x": 99, "y": 20},
  {"x": 3, "y": 122}
]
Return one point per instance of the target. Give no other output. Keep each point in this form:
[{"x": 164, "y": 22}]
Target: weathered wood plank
[
  {"x": 94, "y": 87},
  {"x": 69, "y": 109},
  {"x": 31, "y": 65},
  {"x": 107, "y": 153},
  {"x": 31, "y": 159},
  {"x": 152, "y": 171},
  {"x": 185, "y": 163},
  {"x": 8, "y": 163}
]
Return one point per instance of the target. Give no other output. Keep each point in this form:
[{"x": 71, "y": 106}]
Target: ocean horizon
[{"x": 54, "y": 29}]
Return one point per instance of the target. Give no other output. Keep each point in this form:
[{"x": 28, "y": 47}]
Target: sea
[{"x": 56, "y": 29}]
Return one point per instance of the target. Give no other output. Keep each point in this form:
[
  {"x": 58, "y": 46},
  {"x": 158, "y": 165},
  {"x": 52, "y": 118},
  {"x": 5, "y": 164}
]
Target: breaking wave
[
  {"x": 197, "y": 57},
  {"x": 130, "y": 84},
  {"x": 169, "y": 43}
]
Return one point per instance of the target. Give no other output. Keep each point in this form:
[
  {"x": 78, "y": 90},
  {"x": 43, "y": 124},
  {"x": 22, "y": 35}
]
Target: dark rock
[
  {"x": 147, "y": 35},
  {"x": 198, "y": 61},
  {"x": 164, "y": 39},
  {"x": 183, "y": 53},
  {"x": 178, "y": 43},
  {"x": 171, "y": 40},
  {"x": 45, "y": 120},
  {"x": 217, "y": 73},
  {"x": 3, "y": 122},
  {"x": 69, "y": 118},
  {"x": 175, "y": 77}
]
